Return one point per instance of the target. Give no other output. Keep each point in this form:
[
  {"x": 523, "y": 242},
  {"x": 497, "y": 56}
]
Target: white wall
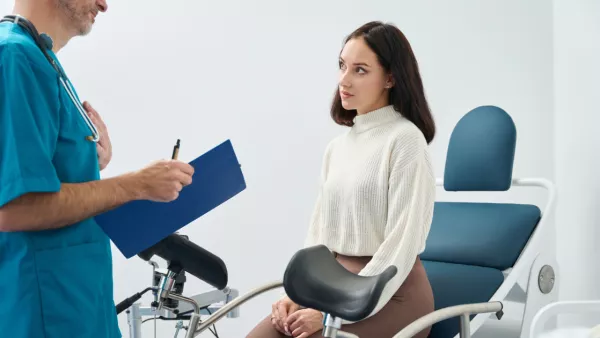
[
  {"x": 262, "y": 74},
  {"x": 577, "y": 85}
]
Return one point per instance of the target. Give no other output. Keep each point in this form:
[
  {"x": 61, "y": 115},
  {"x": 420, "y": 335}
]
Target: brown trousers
[{"x": 413, "y": 300}]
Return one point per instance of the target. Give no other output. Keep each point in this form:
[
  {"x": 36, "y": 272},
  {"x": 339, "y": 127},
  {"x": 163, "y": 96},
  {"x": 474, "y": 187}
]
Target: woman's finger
[
  {"x": 282, "y": 311},
  {"x": 299, "y": 332},
  {"x": 275, "y": 319}
]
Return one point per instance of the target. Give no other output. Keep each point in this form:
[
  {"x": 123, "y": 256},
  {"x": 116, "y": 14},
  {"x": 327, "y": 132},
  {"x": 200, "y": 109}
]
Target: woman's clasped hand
[{"x": 291, "y": 320}]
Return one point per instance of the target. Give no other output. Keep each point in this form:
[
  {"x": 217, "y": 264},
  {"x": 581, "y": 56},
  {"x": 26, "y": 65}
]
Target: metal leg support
[
  {"x": 465, "y": 326},
  {"x": 134, "y": 319},
  {"x": 210, "y": 302},
  {"x": 332, "y": 328}
]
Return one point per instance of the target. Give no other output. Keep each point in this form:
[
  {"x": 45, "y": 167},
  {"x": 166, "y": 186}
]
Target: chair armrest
[{"x": 464, "y": 310}]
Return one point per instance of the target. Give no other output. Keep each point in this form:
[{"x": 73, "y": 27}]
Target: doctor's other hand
[
  {"x": 104, "y": 146},
  {"x": 162, "y": 181}
]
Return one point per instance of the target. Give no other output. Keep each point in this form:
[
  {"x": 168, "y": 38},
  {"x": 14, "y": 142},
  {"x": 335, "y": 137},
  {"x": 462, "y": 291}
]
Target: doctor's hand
[
  {"x": 304, "y": 323},
  {"x": 103, "y": 146},
  {"x": 162, "y": 181}
]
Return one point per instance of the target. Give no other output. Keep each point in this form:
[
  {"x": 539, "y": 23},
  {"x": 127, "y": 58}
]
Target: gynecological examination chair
[{"x": 480, "y": 255}]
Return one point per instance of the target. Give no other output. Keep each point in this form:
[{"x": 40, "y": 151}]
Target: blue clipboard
[{"x": 136, "y": 226}]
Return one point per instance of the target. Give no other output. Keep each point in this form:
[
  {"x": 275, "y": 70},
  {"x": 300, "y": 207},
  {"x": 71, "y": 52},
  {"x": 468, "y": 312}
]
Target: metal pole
[
  {"x": 134, "y": 319},
  {"x": 445, "y": 313},
  {"x": 465, "y": 326},
  {"x": 235, "y": 303},
  {"x": 195, "y": 317},
  {"x": 331, "y": 325}
]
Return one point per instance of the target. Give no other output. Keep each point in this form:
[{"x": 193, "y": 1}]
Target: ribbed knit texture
[{"x": 376, "y": 195}]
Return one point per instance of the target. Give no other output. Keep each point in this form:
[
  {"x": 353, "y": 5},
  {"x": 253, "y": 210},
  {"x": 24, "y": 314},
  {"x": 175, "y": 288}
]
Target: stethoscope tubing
[
  {"x": 21, "y": 21},
  {"x": 86, "y": 118}
]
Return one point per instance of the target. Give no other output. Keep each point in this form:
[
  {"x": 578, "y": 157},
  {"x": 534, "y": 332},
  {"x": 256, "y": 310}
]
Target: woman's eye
[{"x": 360, "y": 70}]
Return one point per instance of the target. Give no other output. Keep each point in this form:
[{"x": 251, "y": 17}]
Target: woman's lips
[{"x": 345, "y": 94}]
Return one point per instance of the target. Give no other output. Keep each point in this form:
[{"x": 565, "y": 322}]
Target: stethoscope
[{"x": 44, "y": 42}]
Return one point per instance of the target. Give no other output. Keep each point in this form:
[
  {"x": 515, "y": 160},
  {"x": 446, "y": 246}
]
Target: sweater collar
[{"x": 375, "y": 118}]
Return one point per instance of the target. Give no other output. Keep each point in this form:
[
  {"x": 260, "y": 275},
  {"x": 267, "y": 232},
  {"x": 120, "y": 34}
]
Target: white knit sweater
[{"x": 376, "y": 195}]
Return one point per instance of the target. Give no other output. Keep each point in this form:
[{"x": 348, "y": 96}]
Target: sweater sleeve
[
  {"x": 411, "y": 197},
  {"x": 314, "y": 225},
  {"x": 315, "y": 215}
]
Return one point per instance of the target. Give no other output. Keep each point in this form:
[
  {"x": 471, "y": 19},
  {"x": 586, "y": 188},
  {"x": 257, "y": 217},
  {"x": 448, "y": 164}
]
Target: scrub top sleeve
[{"x": 29, "y": 125}]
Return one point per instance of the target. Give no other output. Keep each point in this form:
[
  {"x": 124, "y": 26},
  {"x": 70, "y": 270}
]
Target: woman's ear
[{"x": 389, "y": 83}]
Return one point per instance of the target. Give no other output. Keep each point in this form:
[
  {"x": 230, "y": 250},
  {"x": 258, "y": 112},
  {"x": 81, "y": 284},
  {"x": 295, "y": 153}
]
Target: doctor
[{"x": 55, "y": 261}]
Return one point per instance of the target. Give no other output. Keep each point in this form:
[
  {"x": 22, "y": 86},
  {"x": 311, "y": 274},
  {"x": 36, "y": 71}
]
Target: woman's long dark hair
[{"x": 396, "y": 56}]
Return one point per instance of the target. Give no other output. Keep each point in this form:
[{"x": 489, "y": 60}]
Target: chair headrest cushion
[{"x": 481, "y": 151}]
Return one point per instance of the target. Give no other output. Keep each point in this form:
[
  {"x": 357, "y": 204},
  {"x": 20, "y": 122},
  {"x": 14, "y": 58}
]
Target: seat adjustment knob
[{"x": 546, "y": 279}]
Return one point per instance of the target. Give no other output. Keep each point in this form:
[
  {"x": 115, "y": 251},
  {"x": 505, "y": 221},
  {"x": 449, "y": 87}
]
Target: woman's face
[{"x": 363, "y": 83}]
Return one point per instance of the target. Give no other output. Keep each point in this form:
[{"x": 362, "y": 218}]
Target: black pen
[{"x": 175, "y": 151}]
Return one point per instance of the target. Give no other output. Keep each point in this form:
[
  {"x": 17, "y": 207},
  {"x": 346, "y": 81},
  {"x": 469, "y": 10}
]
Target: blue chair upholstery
[
  {"x": 470, "y": 244},
  {"x": 482, "y": 234},
  {"x": 481, "y": 151},
  {"x": 455, "y": 284}
]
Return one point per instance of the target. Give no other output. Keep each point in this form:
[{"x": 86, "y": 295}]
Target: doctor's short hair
[{"x": 396, "y": 56}]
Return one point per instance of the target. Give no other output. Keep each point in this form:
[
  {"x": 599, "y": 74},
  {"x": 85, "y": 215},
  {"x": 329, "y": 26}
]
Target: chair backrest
[
  {"x": 481, "y": 151},
  {"x": 471, "y": 243}
]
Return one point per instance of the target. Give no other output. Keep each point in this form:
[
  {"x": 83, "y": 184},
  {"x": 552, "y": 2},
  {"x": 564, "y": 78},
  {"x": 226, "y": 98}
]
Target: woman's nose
[{"x": 345, "y": 80}]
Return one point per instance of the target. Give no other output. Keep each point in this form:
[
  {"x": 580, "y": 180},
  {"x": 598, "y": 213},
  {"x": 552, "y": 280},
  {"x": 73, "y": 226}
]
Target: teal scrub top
[{"x": 54, "y": 283}]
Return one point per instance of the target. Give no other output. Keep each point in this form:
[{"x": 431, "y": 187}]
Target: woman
[{"x": 375, "y": 204}]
